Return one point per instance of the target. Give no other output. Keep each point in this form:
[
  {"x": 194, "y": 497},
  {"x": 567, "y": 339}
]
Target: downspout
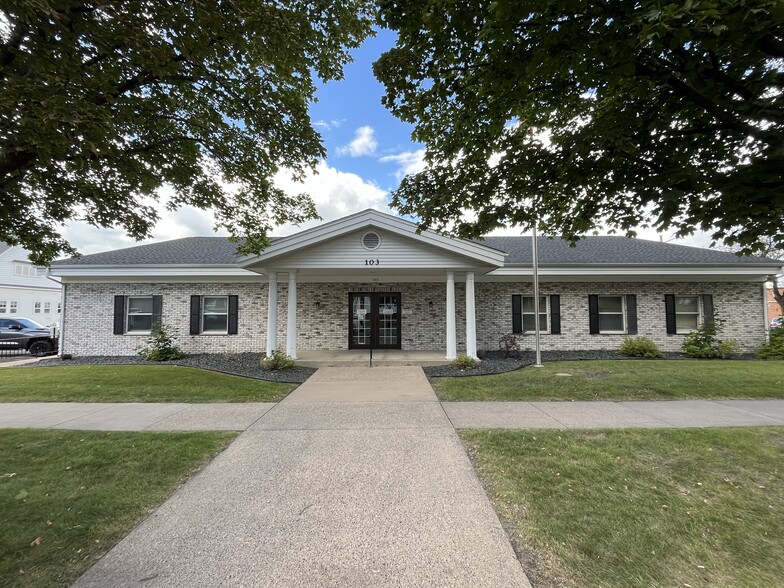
[
  {"x": 765, "y": 313},
  {"x": 60, "y": 337}
]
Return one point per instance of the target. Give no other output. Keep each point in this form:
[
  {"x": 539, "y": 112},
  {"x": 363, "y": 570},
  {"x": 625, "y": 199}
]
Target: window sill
[
  {"x": 611, "y": 333},
  {"x": 212, "y": 333},
  {"x": 138, "y": 333}
]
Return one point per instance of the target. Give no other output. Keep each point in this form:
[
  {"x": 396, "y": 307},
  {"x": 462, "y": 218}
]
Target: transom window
[
  {"x": 687, "y": 314},
  {"x": 528, "y": 314},
  {"x": 139, "y": 314},
  {"x": 215, "y": 314},
  {"x": 611, "y": 314}
]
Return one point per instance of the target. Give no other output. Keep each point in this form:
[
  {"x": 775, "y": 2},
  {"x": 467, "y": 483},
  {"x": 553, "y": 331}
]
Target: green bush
[
  {"x": 161, "y": 346},
  {"x": 704, "y": 343},
  {"x": 640, "y": 347},
  {"x": 464, "y": 362},
  {"x": 277, "y": 361},
  {"x": 774, "y": 348}
]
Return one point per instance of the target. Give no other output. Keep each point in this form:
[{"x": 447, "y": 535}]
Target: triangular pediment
[{"x": 344, "y": 244}]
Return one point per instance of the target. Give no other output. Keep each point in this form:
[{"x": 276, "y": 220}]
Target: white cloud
[
  {"x": 408, "y": 162},
  {"x": 364, "y": 143},
  {"x": 328, "y": 125},
  {"x": 336, "y": 194}
]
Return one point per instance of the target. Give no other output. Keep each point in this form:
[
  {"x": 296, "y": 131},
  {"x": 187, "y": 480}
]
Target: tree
[
  {"x": 577, "y": 114},
  {"x": 102, "y": 102},
  {"x": 768, "y": 248}
]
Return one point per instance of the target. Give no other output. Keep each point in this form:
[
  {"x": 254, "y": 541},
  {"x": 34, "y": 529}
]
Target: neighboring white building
[
  {"x": 25, "y": 291},
  {"x": 371, "y": 280}
]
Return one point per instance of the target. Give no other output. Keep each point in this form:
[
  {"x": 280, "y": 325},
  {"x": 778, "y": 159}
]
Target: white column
[
  {"x": 291, "y": 332},
  {"x": 470, "y": 317},
  {"x": 451, "y": 336},
  {"x": 272, "y": 314}
]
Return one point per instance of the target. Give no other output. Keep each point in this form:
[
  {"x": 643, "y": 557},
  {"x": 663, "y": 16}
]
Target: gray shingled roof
[
  {"x": 185, "y": 251},
  {"x": 615, "y": 250},
  {"x": 590, "y": 250}
]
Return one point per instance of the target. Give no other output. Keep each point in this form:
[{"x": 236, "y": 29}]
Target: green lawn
[
  {"x": 66, "y": 497},
  {"x": 133, "y": 383},
  {"x": 640, "y": 508},
  {"x": 623, "y": 380}
]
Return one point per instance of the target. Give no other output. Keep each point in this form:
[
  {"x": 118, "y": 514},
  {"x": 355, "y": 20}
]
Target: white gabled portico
[{"x": 366, "y": 252}]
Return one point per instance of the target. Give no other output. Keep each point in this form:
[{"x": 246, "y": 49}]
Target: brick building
[{"x": 371, "y": 279}]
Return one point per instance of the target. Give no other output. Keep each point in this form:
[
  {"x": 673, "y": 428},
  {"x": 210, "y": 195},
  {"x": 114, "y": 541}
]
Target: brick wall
[
  {"x": 739, "y": 304},
  {"x": 322, "y": 314},
  {"x": 88, "y": 328}
]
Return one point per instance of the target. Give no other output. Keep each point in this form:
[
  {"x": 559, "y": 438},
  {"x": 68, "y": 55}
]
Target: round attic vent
[{"x": 371, "y": 241}]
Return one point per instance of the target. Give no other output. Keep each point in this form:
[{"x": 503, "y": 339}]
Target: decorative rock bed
[
  {"x": 493, "y": 362},
  {"x": 236, "y": 364}
]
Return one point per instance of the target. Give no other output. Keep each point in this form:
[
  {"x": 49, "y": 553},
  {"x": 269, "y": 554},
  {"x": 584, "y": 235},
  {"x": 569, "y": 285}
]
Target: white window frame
[
  {"x": 28, "y": 271},
  {"x": 545, "y": 312},
  {"x": 600, "y": 313},
  {"x": 47, "y": 308},
  {"x": 13, "y": 307},
  {"x": 37, "y": 306},
  {"x": 205, "y": 313},
  {"x": 3, "y": 306},
  {"x": 59, "y": 307},
  {"x": 128, "y": 315},
  {"x": 698, "y": 298}
]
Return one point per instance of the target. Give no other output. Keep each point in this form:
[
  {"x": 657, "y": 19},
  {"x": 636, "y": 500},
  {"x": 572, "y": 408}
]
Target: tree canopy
[
  {"x": 576, "y": 114},
  {"x": 103, "y": 102}
]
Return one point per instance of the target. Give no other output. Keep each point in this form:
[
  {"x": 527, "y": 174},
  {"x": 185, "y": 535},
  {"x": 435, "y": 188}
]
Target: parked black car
[{"x": 22, "y": 333}]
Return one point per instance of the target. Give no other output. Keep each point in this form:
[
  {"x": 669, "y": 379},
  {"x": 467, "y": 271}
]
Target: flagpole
[{"x": 537, "y": 330}]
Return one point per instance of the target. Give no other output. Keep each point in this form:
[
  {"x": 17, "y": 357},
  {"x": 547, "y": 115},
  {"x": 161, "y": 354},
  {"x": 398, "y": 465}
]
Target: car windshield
[{"x": 30, "y": 324}]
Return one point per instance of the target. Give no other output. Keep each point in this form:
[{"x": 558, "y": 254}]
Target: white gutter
[{"x": 627, "y": 270}]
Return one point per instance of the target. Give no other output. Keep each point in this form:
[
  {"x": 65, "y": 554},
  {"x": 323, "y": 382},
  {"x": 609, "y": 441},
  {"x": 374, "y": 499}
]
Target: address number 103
[{"x": 372, "y": 262}]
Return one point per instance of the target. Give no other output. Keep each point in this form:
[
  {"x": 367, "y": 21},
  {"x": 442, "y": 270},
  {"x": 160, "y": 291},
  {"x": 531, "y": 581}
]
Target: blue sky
[{"x": 368, "y": 152}]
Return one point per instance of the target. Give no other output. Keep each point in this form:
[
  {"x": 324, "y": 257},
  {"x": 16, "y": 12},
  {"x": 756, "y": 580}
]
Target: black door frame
[{"x": 374, "y": 319}]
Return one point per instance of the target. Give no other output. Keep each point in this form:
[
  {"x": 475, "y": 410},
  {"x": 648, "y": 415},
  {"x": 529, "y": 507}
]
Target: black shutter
[
  {"x": 119, "y": 315},
  {"x": 157, "y": 310},
  {"x": 631, "y": 314},
  {"x": 517, "y": 313},
  {"x": 555, "y": 314},
  {"x": 593, "y": 314},
  {"x": 669, "y": 309},
  {"x": 233, "y": 306},
  {"x": 195, "y": 315},
  {"x": 707, "y": 307}
]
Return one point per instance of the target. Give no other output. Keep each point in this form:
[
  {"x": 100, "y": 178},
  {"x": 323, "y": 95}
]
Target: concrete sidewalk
[
  {"x": 402, "y": 403},
  {"x": 338, "y": 485}
]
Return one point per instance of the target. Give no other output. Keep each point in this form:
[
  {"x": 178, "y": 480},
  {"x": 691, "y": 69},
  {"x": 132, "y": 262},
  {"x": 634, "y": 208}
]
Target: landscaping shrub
[
  {"x": 464, "y": 362},
  {"x": 705, "y": 343},
  {"x": 640, "y": 347},
  {"x": 277, "y": 361},
  {"x": 774, "y": 348},
  {"x": 161, "y": 346},
  {"x": 509, "y": 346}
]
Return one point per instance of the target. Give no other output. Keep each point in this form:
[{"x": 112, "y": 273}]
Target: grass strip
[
  {"x": 639, "y": 508},
  {"x": 67, "y": 497},
  {"x": 133, "y": 383},
  {"x": 623, "y": 380}
]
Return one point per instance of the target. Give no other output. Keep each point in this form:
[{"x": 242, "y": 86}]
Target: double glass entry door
[{"x": 374, "y": 320}]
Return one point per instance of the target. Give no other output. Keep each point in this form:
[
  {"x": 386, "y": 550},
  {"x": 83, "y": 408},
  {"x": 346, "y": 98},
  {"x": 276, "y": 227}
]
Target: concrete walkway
[
  {"x": 320, "y": 394},
  {"x": 357, "y": 479}
]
